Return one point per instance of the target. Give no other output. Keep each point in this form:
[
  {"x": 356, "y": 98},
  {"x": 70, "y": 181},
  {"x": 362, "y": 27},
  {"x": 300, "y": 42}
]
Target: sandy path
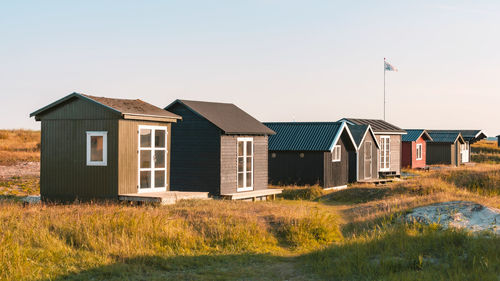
[{"x": 20, "y": 170}]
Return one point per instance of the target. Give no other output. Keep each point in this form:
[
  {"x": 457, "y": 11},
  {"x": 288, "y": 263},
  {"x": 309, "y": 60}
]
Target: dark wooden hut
[
  {"x": 415, "y": 148},
  {"x": 445, "y": 148},
  {"x": 308, "y": 153},
  {"x": 99, "y": 148},
  {"x": 219, "y": 148},
  {"x": 470, "y": 137},
  {"x": 389, "y": 139}
]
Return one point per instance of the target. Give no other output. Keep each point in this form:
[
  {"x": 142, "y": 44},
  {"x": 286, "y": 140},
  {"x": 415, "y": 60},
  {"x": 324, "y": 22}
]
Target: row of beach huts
[{"x": 107, "y": 148}]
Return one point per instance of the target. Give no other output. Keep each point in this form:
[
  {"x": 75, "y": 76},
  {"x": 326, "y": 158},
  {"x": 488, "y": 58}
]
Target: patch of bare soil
[{"x": 31, "y": 169}]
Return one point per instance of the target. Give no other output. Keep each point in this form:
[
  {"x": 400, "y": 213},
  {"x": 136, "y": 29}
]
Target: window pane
[
  {"x": 145, "y": 138},
  {"x": 160, "y": 159},
  {"x": 160, "y": 138},
  {"x": 145, "y": 179},
  {"x": 240, "y": 164},
  {"x": 160, "y": 179},
  {"x": 145, "y": 158},
  {"x": 240, "y": 180},
  {"x": 249, "y": 148},
  {"x": 249, "y": 163},
  {"x": 249, "y": 179},
  {"x": 96, "y": 152},
  {"x": 240, "y": 148}
]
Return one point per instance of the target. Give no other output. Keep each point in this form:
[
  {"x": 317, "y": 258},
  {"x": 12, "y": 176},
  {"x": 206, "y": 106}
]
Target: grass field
[
  {"x": 19, "y": 146},
  {"x": 353, "y": 234},
  {"x": 485, "y": 151},
  {"x": 307, "y": 234}
]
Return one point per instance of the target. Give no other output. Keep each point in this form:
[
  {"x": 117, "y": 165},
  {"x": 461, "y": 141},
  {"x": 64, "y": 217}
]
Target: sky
[{"x": 278, "y": 60}]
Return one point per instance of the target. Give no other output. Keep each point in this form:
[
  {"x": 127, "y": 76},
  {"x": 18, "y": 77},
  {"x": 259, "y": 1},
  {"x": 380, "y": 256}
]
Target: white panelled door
[
  {"x": 152, "y": 158},
  {"x": 385, "y": 153}
]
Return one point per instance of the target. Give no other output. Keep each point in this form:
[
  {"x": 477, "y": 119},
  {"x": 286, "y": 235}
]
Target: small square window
[{"x": 97, "y": 148}]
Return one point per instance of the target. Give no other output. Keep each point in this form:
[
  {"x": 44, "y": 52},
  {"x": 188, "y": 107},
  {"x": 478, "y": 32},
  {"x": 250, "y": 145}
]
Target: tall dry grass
[
  {"x": 45, "y": 242},
  {"x": 19, "y": 146},
  {"x": 485, "y": 151}
]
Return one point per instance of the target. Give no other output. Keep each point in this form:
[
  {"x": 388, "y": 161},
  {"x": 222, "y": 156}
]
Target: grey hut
[
  {"x": 367, "y": 148},
  {"x": 308, "y": 153},
  {"x": 389, "y": 138},
  {"x": 220, "y": 149},
  {"x": 99, "y": 148},
  {"x": 445, "y": 148}
]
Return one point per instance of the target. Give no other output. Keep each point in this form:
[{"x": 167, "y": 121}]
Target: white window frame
[
  {"x": 336, "y": 153},
  {"x": 245, "y": 187},
  {"x": 419, "y": 157},
  {"x": 152, "y": 169},
  {"x": 383, "y": 140},
  {"x": 104, "y": 136}
]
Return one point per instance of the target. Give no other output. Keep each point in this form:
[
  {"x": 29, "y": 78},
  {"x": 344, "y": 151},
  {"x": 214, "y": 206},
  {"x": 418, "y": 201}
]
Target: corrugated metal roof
[
  {"x": 444, "y": 136},
  {"x": 377, "y": 125},
  {"x": 358, "y": 132},
  {"x": 227, "y": 117},
  {"x": 468, "y": 135},
  {"x": 303, "y": 136},
  {"x": 414, "y": 134}
]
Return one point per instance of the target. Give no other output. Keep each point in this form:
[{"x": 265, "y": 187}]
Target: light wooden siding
[
  {"x": 228, "y": 163},
  {"x": 65, "y": 175},
  {"x": 79, "y": 109},
  {"x": 195, "y": 153},
  {"x": 395, "y": 153},
  {"x": 128, "y": 154},
  {"x": 361, "y": 158}
]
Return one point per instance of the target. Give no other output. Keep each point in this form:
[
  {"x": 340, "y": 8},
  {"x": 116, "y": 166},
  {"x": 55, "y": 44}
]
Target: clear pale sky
[{"x": 278, "y": 60}]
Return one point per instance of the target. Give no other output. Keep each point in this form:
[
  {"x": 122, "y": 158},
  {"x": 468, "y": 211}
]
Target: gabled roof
[
  {"x": 471, "y": 136},
  {"x": 378, "y": 126},
  {"x": 126, "y": 107},
  {"x": 306, "y": 136},
  {"x": 415, "y": 134},
  {"x": 226, "y": 116},
  {"x": 445, "y": 136},
  {"x": 359, "y": 134}
]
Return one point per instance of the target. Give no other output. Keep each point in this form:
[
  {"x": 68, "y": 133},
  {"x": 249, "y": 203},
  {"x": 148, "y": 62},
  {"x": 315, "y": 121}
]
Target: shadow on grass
[
  {"x": 356, "y": 195},
  {"x": 205, "y": 267},
  {"x": 401, "y": 252}
]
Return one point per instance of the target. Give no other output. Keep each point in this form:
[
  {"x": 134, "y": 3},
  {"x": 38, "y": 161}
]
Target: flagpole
[{"x": 384, "y": 89}]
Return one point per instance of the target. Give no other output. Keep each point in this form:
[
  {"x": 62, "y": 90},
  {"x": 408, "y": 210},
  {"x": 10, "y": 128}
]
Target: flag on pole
[{"x": 389, "y": 67}]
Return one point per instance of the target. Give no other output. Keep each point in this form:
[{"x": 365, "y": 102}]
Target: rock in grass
[{"x": 459, "y": 214}]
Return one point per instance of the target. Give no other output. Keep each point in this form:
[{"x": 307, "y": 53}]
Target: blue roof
[
  {"x": 468, "y": 135},
  {"x": 303, "y": 136},
  {"x": 413, "y": 134},
  {"x": 444, "y": 136}
]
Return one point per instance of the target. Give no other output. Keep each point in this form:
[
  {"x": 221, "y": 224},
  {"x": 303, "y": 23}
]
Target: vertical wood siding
[
  {"x": 361, "y": 158},
  {"x": 228, "y": 163},
  {"x": 288, "y": 168},
  {"x": 195, "y": 153},
  {"x": 64, "y": 170},
  {"x": 395, "y": 153},
  {"x": 439, "y": 153},
  {"x": 337, "y": 173},
  {"x": 128, "y": 154},
  {"x": 79, "y": 109}
]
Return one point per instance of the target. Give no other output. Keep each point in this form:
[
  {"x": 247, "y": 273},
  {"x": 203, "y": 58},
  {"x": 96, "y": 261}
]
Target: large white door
[
  {"x": 152, "y": 158},
  {"x": 464, "y": 151}
]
